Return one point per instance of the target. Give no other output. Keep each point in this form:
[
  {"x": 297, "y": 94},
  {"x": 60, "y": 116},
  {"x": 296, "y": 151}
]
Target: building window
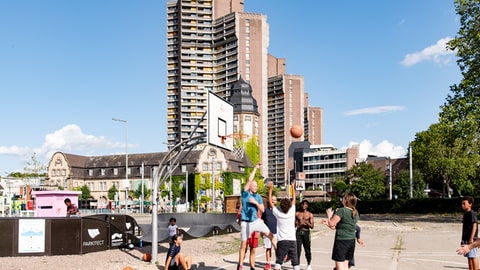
[
  {"x": 242, "y": 169},
  {"x": 102, "y": 172},
  {"x": 248, "y": 118},
  {"x": 115, "y": 171},
  {"x": 219, "y": 166},
  {"x": 90, "y": 172},
  {"x": 203, "y": 179},
  {"x": 205, "y": 166}
]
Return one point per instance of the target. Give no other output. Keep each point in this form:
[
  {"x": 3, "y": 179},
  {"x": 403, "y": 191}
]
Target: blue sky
[{"x": 379, "y": 70}]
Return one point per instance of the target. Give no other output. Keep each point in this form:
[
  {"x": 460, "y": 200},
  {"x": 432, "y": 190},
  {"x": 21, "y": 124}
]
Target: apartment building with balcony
[
  {"x": 324, "y": 164},
  {"x": 210, "y": 44}
]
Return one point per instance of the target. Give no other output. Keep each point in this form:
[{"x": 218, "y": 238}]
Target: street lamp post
[
  {"x": 213, "y": 184},
  {"x": 126, "y": 159},
  {"x": 390, "y": 177},
  {"x": 170, "y": 186}
]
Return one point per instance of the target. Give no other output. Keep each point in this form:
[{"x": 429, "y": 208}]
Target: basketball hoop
[
  {"x": 238, "y": 148},
  {"x": 233, "y": 136}
]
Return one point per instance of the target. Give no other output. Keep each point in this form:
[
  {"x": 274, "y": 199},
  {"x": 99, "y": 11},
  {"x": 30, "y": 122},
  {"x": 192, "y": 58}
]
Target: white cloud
[
  {"x": 437, "y": 53},
  {"x": 383, "y": 149},
  {"x": 375, "y": 110},
  {"x": 14, "y": 150},
  {"x": 71, "y": 139}
]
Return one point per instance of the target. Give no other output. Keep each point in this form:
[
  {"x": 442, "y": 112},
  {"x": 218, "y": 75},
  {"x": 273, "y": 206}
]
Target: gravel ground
[{"x": 208, "y": 252}]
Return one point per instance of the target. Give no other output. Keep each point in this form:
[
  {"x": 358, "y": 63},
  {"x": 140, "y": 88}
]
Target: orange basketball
[
  {"x": 296, "y": 131},
  {"x": 147, "y": 257},
  {"x": 128, "y": 268}
]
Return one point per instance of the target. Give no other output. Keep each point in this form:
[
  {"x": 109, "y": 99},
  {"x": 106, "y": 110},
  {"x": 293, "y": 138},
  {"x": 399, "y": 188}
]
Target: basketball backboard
[{"x": 220, "y": 121}]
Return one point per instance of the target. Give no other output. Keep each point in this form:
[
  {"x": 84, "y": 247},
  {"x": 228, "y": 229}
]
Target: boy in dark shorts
[{"x": 175, "y": 259}]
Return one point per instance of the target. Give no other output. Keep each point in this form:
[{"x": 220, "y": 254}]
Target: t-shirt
[
  {"x": 345, "y": 229},
  {"x": 285, "y": 224},
  {"x": 250, "y": 210},
  {"x": 72, "y": 210},
  {"x": 469, "y": 218},
  {"x": 172, "y": 230},
  {"x": 270, "y": 220},
  {"x": 172, "y": 252}
]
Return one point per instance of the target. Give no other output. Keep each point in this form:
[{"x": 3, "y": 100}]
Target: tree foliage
[
  {"x": 366, "y": 182},
  {"x": 137, "y": 193},
  {"x": 448, "y": 152},
  {"x": 444, "y": 160},
  {"x": 401, "y": 187},
  {"x": 85, "y": 195},
  {"x": 112, "y": 192},
  {"x": 252, "y": 149}
]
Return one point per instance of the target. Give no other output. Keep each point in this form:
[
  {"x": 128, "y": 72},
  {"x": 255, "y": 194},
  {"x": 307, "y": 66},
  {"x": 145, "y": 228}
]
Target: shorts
[
  {"x": 472, "y": 253},
  {"x": 174, "y": 267},
  {"x": 343, "y": 250},
  {"x": 267, "y": 243},
  {"x": 253, "y": 240},
  {"x": 254, "y": 226}
]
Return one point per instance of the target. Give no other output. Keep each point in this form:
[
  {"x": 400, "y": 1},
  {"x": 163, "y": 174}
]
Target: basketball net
[{"x": 238, "y": 149}]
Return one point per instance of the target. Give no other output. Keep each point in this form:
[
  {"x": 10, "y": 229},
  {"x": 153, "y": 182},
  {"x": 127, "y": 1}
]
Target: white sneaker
[{"x": 309, "y": 267}]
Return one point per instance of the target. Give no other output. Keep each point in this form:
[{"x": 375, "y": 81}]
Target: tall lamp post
[
  {"x": 390, "y": 178},
  {"x": 126, "y": 159}
]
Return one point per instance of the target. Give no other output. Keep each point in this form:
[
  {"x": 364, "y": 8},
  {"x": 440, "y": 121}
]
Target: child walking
[
  {"x": 469, "y": 231},
  {"x": 172, "y": 230}
]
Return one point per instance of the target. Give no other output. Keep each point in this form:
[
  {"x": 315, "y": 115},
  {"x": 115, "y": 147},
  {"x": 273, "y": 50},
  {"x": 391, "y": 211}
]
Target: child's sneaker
[
  {"x": 267, "y": 266},
  {"x": 309, "y": 267}
]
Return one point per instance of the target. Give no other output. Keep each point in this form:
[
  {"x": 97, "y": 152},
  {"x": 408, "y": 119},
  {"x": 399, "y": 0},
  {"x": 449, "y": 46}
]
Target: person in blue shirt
[{"x": 252, "y": 205}]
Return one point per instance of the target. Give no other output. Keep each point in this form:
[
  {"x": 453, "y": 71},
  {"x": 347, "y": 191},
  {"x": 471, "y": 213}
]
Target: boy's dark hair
[
  {"x": 67, "y": 200},
  {"x": 285, "y": 205},
  {"x": 176, "y": 236},
  {"x": 172, "y": 219},
  {"x": 469, "y": 199}
]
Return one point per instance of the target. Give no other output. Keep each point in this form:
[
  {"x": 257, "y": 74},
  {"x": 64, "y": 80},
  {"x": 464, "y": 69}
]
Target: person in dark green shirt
[{"x": 343, "y": 220}]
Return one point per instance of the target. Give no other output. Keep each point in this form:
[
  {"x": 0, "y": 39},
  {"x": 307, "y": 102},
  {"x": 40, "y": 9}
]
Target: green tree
[
  {"x": 401, "y": 186},
  {"x": 340, "y": 186},
  {"x": 366, "y": 182},
  {"x": 137, "y": 193},
  {"x": 252, "y": 149},
  {"x": 112, "y": 192},
  {"x": 85, "y": 195},
  {"x": 443, "y": 160},
  {"x": 461, "y": 111}
]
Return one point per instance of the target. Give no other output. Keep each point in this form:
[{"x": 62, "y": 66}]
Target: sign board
[
  {"x": 31, "y": 235},
  {"x": 299, "y": 185}
]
